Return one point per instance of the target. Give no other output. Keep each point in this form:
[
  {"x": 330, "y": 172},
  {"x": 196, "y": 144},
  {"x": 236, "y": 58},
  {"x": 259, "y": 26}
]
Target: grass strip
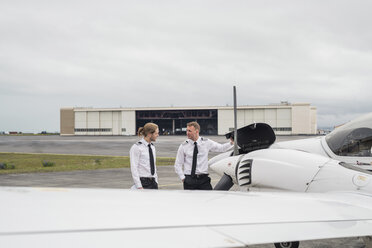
[{"x": 31, "y": 162}]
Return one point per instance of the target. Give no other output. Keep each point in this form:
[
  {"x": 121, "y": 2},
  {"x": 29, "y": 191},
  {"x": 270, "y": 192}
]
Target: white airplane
[
  {"x": 307, "y": 165},
  {"x": 333, "y": 200},
  {"x": 300, "y": 166}
]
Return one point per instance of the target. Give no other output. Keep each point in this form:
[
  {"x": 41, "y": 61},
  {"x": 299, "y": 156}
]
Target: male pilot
[{"x": 192, "y": 155}]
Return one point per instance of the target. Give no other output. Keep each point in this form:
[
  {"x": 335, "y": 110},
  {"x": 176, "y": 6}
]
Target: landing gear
[{"x": 293, "y": 244}]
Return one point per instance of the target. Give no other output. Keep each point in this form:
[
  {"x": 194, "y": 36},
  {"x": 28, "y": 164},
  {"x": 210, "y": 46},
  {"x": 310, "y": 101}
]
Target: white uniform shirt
[
  {"x": 186, "y": 151},
  {"x": 140, "y": 162}
]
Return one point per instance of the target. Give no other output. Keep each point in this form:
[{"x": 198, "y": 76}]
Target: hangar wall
[
  {"x": 301, "y": 116},
  {"x": 314, "y": 121},
  {"x": 284, "y": 118},
  {"x": 279, "y": 118},
  {"x": 128, "y": 122},
  {"x": 101, "y": 122},
  {"x": 67, "y": 121}
]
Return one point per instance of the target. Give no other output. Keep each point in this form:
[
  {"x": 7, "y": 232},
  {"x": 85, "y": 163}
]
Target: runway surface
[{"x": 166, "y": 146}]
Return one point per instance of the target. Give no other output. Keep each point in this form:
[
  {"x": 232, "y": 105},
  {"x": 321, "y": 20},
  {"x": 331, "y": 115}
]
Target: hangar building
[{"x": 284, "y": 118}]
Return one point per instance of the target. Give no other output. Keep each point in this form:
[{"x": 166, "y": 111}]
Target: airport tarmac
[
  {"x": 116, "y": 178},
  {"x": 166, "y": 146}
]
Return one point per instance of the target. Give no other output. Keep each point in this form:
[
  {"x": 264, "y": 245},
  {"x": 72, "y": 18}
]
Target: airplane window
[
  {"x": 353, "y": 138},
  {"x": 352, "y": 142}
]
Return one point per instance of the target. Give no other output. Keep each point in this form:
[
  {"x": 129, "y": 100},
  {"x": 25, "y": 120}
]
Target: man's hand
[
  {"x": 231, "y": 141},
  {"x": 140, "y": 188}
]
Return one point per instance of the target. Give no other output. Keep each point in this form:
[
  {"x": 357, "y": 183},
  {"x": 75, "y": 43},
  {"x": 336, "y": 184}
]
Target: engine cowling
[{"x": 282, "y": 169}]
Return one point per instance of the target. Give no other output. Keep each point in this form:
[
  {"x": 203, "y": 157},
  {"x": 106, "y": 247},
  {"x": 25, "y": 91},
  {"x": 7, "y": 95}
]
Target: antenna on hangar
[{"x": 236, "y": 151}]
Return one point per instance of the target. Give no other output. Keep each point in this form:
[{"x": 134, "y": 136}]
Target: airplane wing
[{"x": 45, "y": 217}]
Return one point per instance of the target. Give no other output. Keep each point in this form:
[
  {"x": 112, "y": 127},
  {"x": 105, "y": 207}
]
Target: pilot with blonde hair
[
  {"x": 192, "y": 158},
  {"x": 143, "y": 158}
]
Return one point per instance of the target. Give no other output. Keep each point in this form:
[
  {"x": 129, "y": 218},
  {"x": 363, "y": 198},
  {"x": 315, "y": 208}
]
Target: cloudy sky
[{"x": 112, "y": 53}]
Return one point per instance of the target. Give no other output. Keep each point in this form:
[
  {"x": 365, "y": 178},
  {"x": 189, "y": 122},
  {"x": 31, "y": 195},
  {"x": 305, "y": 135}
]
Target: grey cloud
[{"x": 184, "y": 53}]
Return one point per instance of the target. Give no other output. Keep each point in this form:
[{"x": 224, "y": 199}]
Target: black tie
[
  {"x": 194, "y": 159},
  {"x": 152, "y": 164}
]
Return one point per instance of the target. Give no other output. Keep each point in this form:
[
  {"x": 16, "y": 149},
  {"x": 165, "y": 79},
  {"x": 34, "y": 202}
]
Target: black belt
[
  {"x": 148, "y": 178},
  {"x": 198, "y": 176}
]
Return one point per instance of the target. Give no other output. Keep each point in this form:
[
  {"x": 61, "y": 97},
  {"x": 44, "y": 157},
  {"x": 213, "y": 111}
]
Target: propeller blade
[{"x": 225, "y": 183}]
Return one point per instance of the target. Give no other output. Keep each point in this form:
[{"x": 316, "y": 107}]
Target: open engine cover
[{"x": 254, "y": 137}]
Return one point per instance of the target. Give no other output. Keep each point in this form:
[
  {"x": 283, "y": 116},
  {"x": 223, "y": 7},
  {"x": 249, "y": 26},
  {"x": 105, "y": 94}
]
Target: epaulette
[
  {"x": 185, "y": 142},
  {"x": 203, "y": 139},
  {"x": 139, "y": 143}
]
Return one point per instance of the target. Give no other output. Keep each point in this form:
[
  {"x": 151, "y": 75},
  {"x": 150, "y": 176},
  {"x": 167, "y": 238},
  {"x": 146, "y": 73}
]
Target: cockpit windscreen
[{"x": 353, "y": 138}]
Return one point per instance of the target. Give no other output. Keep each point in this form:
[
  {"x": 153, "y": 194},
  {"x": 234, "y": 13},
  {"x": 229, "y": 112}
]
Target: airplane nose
[
  {"x": 218, "y": 167},
  {"x": 226, "y": 169},
  {"x": 226, "y": 165}
]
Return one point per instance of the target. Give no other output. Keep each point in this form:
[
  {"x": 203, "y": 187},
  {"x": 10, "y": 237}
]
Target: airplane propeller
[{"x": 224, "y": 184}]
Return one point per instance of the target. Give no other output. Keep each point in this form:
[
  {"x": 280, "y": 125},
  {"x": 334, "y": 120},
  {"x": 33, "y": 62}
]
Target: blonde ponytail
[
  {"x": 148, "y": 128},
  {"x": 140, "y": 131}
]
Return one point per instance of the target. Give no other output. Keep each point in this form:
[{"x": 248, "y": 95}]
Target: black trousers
[
  {"x": 149, "y": 183},
  {"x": 198, "y": 182}
]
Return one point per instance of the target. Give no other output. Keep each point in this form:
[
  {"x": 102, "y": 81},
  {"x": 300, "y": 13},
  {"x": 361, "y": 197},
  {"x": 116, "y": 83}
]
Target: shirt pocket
[
  {"x": 144, "y": 158},
  {"x": 190, "y": 152},
  {"x": 202, "y": 151}
]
